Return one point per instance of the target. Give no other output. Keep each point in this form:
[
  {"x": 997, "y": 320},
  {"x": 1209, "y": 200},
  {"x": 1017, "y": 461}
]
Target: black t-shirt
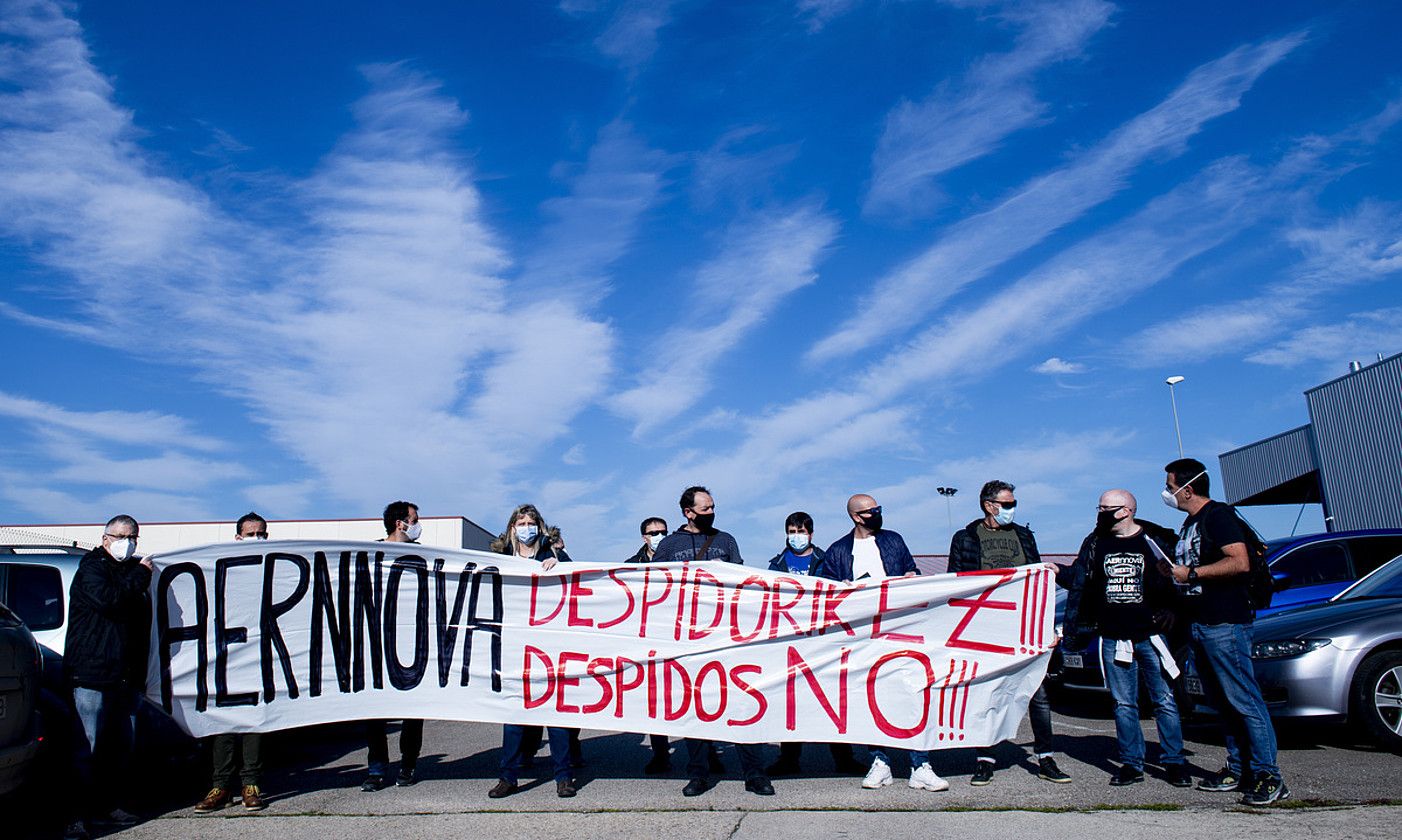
[
  {"x": 1200, "y": 541},
  {"x": 1125, "y": 587},
  {"x": 683, "y": 545}
]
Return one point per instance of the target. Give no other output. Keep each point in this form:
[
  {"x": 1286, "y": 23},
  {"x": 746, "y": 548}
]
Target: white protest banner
[{"x": 258, "y": 636}]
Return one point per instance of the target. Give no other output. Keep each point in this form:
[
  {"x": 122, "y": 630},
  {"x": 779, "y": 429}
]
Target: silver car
[{"x": 1341, "y": 659}]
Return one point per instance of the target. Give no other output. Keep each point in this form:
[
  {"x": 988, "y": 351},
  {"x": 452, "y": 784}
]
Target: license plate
[
  {"x": 1193, "y": 685},
  {"x": 1073, "y": 660}
]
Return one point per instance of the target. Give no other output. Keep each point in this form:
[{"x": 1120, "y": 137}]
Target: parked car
[
  {"x": 1307, "y": 570},
  {"x": 19, "y": 695},
  {"x": 1338, "y": 660},
  {"x": 35, "y": 581}
]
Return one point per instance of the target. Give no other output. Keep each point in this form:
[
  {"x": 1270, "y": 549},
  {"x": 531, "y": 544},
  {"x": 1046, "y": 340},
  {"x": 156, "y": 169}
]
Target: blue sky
[{"x": 308, "y": 258}]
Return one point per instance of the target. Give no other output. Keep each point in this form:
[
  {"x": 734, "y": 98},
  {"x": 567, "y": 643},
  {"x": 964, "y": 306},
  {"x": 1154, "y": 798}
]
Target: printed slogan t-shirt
[
  {"x": 866, "y": 559},
  {"x": 1200, "y": 542},
  {"x": 1125, "y": 586},
  {"x": 1001, "y": 548}
]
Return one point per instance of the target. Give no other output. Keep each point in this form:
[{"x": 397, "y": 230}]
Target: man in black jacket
[
  {"x": 996, "y": 542},
  {"x": 109, "y": 626},
  {"x": 1129, "y": 600},
  {"x": 654, "y": 531},
  {"x": 698, "y": 541}
]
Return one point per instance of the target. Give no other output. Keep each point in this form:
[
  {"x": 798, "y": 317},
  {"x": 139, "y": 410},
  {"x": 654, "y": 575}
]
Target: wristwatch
[{"x": 1192, "y": 574}]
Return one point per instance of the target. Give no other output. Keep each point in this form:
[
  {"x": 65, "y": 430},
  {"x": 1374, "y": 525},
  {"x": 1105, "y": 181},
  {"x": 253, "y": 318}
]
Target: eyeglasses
[
  {"x": 654, "y": 533},
  {"x": 876, "y": 511},
  {"x": 1005, "y": 505},
  {"x": 262, "y": 535},
  {"x": 132, "y": 537},
  {"x": 1107, "y": 508}
]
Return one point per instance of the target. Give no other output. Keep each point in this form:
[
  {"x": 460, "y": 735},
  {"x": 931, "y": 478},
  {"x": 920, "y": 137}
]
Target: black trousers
[
  {"x": 790, "y": 751},
  {"x": 698, "y": 759},
  {"x": 238, "y": 757},
  {"x": 1039, "y": 712},
  {"x": 411, "y": 741}
]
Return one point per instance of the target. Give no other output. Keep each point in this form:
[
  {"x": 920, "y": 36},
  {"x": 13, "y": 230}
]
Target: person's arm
[
  {"x": 109, "y": 592},
  {"x": 734, "y": 552},
  {"x": 958, "y": 561}
]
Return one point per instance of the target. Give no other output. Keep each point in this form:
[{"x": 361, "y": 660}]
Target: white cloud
[
  {"x": 596, "y": 223},
  {"x": 574, "y": 456},
  {"x": 370, "y": 336},
  {"x": 968, "y": 118},
  {"x": 1358, "y": 337},
  {"x": 630, "y": 38},
  {"x": 1055, "y": 366},
  {"x": 816, "y": 14},
  {"x": 128, "y": 428},
  {"x": 764, "y": 259},
  {"x": 1364, "y": 246},
  {"x": 976, "y": 245}
]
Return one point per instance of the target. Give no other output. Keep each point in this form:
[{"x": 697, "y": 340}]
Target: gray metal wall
[
  {"x": 1266, "y": 464},
  {"x": 1357, "y": 421}
]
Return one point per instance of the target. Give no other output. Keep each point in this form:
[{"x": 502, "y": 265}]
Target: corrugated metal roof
[
  {"x": 1357, "y": 422},
  {"x": 1261, "y": 468}
]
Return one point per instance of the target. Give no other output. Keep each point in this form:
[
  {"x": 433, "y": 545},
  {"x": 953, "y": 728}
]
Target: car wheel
[{"x": 1377, "y": 698}]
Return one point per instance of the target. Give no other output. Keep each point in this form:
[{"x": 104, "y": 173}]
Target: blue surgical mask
[
  {"x": 798, "y": 542},
  {"x": 526, "y": 534},
  {"x": 1004, "y": 516}
]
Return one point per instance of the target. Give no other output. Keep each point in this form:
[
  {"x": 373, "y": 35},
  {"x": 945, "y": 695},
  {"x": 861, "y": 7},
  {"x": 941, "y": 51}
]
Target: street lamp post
[
  {"x": 1170, "y": 382},
  {"x": 948, "y": 493}
]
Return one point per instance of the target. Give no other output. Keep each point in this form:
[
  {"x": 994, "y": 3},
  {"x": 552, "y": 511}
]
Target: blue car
[{"x": 1307, "y": 570}]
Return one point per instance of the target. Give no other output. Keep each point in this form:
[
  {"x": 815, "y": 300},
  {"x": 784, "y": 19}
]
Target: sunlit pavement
[{"x": 313, "y": 787}]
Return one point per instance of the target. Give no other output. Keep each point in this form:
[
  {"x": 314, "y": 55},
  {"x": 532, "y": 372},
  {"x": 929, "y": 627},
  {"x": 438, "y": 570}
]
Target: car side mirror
[{"x": 1281, "y": 579}]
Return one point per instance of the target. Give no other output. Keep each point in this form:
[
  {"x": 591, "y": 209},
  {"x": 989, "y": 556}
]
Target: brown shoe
[
  {"x": 213, "y": 801},
  {"x": 502, "y": 789},
  {"x": 253, "y": 798}
]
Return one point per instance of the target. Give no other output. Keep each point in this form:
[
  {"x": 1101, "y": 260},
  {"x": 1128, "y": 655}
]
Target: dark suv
[{"x": 19, "y": 696}]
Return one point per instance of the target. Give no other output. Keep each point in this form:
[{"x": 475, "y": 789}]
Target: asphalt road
[{"x": 313, "y": 780}]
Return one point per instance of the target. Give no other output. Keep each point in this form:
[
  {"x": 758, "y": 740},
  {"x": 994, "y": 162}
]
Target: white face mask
[
  {"x": 122, "y": 549},
  {"x": 1004, "y": 516},
  {"x": 526, "y": 534},
  {"x": 655, "y": 540},
  {"x": 798, "y": 542},
  {"x": 1170, "y": 497},
  {"x": 413, "y": 531}
]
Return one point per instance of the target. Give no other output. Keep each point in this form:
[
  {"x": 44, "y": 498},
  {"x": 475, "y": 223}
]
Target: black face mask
[
  {"x": 703, "y": 521},
  {"x": 1105, "y": 520},
  {"x": 872, "y": 522}
]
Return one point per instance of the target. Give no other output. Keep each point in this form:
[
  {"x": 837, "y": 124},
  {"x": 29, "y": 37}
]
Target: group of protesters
[{"x": 1132, "y": 582}]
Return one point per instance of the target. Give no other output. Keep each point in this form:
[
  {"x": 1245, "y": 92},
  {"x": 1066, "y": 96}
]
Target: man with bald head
[
  {"x": 1122, "y": 593},
  {"x": 871, "y": 552}
]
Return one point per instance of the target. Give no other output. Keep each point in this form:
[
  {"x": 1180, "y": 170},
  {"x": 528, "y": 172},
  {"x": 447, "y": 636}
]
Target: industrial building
[
  {"x": 1348, "y": 458},
  {"x": 161, "y": 537}
]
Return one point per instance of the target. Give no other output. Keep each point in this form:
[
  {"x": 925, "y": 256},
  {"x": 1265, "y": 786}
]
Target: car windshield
[{"x": 1386, "y": 582}]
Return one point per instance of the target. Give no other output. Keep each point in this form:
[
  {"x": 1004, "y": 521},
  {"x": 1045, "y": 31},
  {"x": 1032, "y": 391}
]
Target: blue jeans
[
  {"x": 108, "y": 716},
  {"x": 1123, "y": 680},
  {"x": 512, "y": 736},
  {"x": 1223, "y": 656},
  {"x": 917, "y": 757}
]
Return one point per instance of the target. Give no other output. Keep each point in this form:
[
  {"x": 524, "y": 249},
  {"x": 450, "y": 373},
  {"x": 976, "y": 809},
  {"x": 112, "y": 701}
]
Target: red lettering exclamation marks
[
  {"x": 1043, "y": 577},
  {"x": 964, "y": 705},
  {"x": 944, "y": 692}
]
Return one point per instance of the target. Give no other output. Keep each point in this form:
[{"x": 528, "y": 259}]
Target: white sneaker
[
  {"x": 878, "y": 776},
  {"x": 924, "y": 777}
]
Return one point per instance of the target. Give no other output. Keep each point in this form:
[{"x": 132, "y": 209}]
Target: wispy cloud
[
  {"x": 630, "y": 36},
  {"x": 1055, "y": 366},
  {"x": 594, "y": 224},
  {"x": 1361, "y": 247},
  {"x": 816, "y": 14},
  {"x": 973, "y": 247},
  {"x": 739, "y": 168},
  {"x": 765, "y": 257},
  {"x": 1356, "y": 338},
  {"x": 127, "y": 428},
  {"x": 967, "y": 118},
  {"x": 369, "y": 332}
]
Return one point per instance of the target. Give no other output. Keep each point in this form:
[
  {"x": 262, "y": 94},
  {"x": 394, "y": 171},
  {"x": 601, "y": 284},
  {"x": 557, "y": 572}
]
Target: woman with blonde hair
[{"x": 528, "y": 537}]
